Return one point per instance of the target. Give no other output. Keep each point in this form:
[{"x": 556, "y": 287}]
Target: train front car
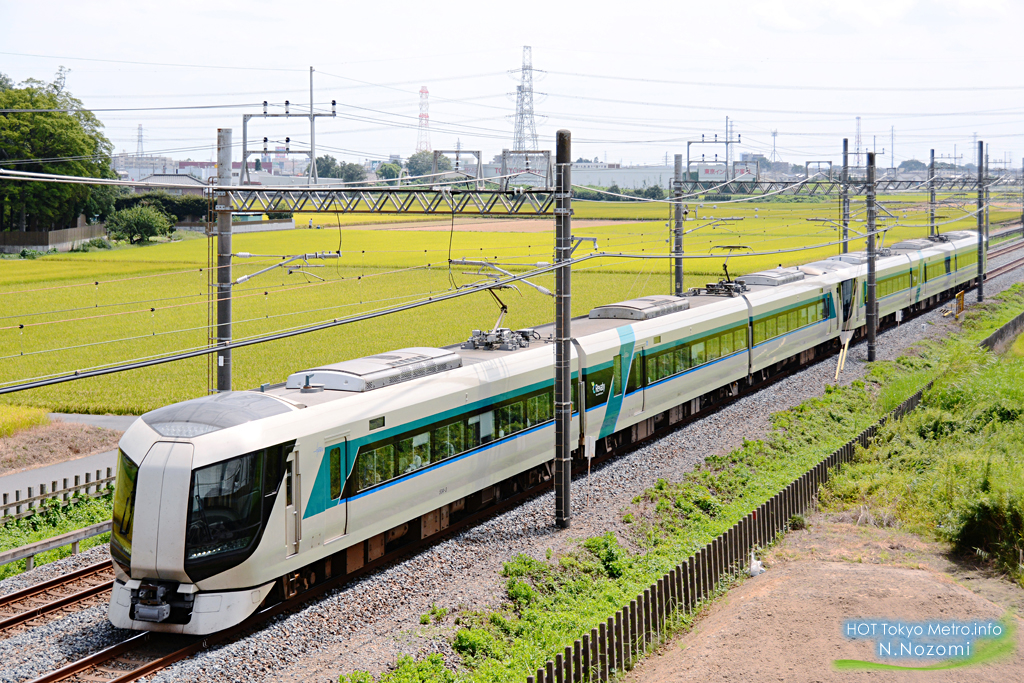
[{"x": 197, "y": 487}]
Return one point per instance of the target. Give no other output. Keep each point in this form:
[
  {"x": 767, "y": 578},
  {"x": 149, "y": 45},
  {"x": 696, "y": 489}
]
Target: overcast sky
[{"x": 632, "y": 81}]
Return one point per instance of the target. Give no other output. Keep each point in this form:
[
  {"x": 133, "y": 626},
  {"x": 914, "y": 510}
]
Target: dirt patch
[
  {"x": 52, "y": 443},
  {"x": 786, "y": 625}
]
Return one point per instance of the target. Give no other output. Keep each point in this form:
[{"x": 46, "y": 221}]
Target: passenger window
[
  {"x": 697, "y": 354},
  {"x": 375, "y": 466},
  {"x": 539, "y": 408},
  {"x": 288, "y": 484},
  {"x": 794, "y": 320},
  {"x": 511, "y": 419},
  {"x": 727, "y": 344},
  {"x": 759, "y": 331},
  {"x": 740, "y": 338},
  {"x": 448, "y": 441},
  {"x": 713, "y": 349},
  {"x": 771, "y": 328},
  {"x": 617, "y": 375},
  {"x": 481, "y": 428},
  {"x": 680, "y": 357},
  {"x": 334, "y": 456},
  {"x": 665, "y": 361},
  {"x": 633, "y": 381}
]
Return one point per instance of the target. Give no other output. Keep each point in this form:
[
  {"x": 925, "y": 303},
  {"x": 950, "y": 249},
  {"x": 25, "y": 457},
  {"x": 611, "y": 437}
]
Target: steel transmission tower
[
  {"x": 525, "y": 135},
  {"x": 423, "y": 139},
  {"x": 856, "y": 142},
  {"x": 138, "y": 149}
]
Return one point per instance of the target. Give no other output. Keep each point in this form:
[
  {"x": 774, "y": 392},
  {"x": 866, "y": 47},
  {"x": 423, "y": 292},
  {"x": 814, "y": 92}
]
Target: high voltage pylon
[
  {"x": 857, "y": 143},
  {"x": 423, "y": 138},
  {"x": 525, "y": 135}
]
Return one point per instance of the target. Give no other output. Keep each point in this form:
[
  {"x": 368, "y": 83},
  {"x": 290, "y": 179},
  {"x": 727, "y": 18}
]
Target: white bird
[{"x": 755, "y": 565}]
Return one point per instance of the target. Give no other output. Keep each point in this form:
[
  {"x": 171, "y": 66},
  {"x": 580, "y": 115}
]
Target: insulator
[
  {"x": 334, "y": 108},
  {"x": 286, "y": 103},
  {"x": 264, "y": 107}
]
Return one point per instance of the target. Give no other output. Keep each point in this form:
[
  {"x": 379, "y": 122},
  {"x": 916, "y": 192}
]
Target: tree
[
  {"x": 654, "y": 192},
  {"x": 68, "y": 141},
  {"x": 326, "y": 166},
  {"x": 139, "y": 223},
  {"x": 259, "y": 165},
  {"x": 5, "y": 82},
  {"x": 329, "y": 167},
  {"x": 351, "y": 173},
  {"x": 422, "y": 163},
  {"x": 389, "y": 171},
  {"x": 913, "y": 165}
]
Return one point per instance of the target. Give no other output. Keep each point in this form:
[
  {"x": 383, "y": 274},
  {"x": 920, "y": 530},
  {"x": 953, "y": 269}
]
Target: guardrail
[
  {"x": 92, "y": 487},
  {"x": 72, "y": 538},
  {"x": 616, "y": 644}
]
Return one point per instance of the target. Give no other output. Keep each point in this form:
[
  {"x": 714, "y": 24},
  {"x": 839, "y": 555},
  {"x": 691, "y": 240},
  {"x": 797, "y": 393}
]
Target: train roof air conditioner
[
  {"x": 373, "y": 372},
  {"x": 643, "y": 308}
]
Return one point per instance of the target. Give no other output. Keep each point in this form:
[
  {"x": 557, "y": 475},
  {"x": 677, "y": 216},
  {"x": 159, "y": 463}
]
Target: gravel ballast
[{"x": 369, "y": 624}]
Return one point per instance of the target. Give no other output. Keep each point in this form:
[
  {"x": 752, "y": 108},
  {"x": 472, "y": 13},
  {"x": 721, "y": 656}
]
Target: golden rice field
[{"x": 76, "y": 311}]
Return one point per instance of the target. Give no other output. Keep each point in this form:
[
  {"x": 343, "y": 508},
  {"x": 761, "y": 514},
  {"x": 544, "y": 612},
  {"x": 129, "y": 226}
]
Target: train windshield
[
  {"x": 226, "y": 507},
  {"x": 124, "y": 510}
]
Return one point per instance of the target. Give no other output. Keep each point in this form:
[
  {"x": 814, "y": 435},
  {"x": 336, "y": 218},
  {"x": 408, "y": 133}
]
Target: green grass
[
  {"x": 15, "y": 418},
  {"x": 65, "y": 312},
  {"x": 51, "y": 520},
  {"x": 952, "y": 469}
]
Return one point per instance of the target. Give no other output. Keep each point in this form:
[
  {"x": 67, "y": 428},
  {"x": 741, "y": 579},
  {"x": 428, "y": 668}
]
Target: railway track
[
  {"x": 147, "y": 653},
  {"x": 50, "y": 599}
]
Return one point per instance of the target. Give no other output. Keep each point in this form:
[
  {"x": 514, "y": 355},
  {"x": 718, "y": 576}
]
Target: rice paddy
[{"x": 69, "y": 312}]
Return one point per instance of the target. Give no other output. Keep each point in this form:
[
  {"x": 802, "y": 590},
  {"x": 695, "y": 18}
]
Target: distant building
[{"x": 181, "y": 183}]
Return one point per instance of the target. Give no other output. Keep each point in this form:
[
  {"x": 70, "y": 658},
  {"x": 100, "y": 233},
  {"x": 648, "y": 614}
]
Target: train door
[
  {"x": 336, "y": 518},
  {"x": 847, "y": 298},
  {"x": 292, "y": 504}
]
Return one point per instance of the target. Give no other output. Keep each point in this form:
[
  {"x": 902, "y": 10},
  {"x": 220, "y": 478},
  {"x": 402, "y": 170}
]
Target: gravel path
[{"x": 369, "y": 624}]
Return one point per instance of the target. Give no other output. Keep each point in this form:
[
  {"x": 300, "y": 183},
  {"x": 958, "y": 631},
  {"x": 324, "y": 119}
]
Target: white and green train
[{"x": 226, "y": 500}]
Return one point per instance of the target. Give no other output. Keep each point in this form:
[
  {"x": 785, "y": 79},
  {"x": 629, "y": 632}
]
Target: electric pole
[
  {"x": 872, "y": 307},
  {"x": 223, "y": 206},
  {"x": 981, "y": 223},
  {"x": 563, "y": 331},
  {"x": 844, "y": 198},
  {"x": 931, "y": 195},
  {"x": 677, "y": 237}
]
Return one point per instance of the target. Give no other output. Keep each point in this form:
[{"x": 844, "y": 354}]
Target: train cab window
[
  {"x": 226, "y": 510},
  {"x": 124, "y": 510},
  {"x": 334, "y": 455}
]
